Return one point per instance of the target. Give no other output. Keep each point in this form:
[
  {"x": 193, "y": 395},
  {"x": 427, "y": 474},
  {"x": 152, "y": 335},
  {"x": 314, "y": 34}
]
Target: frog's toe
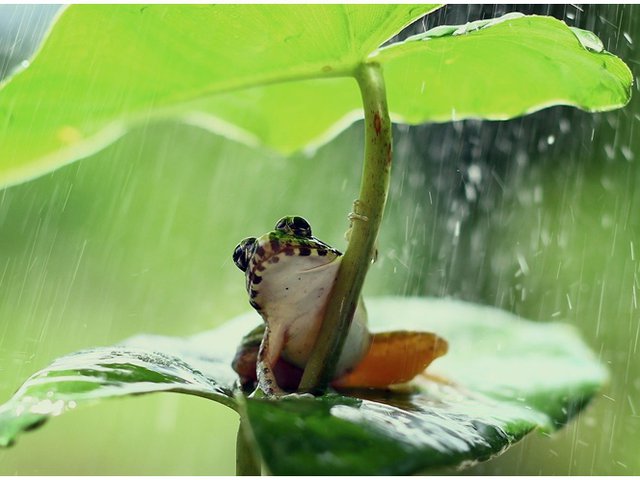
[
  {"x": 257, "y": 393},
  {"x": 298, "y": 396}
]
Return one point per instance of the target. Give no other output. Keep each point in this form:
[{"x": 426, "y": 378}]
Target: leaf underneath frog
[{"x": 501, "y": 378}]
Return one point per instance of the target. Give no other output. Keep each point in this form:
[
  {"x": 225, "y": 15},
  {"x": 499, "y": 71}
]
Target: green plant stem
[
  {"x": 369, "y": 208},
  {"x": 247, "y": 463}
]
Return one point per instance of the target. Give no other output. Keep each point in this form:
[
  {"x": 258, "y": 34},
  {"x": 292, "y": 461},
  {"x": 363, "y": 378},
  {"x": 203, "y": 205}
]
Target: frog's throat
[{"x": 255, "y": 276}]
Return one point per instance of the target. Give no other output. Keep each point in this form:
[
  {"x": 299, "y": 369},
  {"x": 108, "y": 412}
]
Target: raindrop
[
  {"x": 537, "y": 194},
  {"x": 588, "y": 40},
  {"x": 524, "y": 266},
  {"x": 609, "y": 151},
  {"x": 627, "y": 37},
  {"x": 470, "y": 193},
  {"x": 475, "y": 174},
  {"x": 606, "y": 221}
]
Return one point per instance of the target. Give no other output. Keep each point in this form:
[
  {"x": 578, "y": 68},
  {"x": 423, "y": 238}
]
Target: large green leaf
[
  {"x": 499, "y": 69},
  {"x": 493, "y": 69},
  {"x": 105, "y": 69},
  {"x": 143, "y": 364},
  {"x": 502, "y": 378}
]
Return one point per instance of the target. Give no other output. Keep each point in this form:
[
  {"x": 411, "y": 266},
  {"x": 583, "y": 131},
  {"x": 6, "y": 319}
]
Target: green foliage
[
  {"x": 105, "y": 69},
  {"x": 502, "y": 378},
  {"x": 499, "y": 69},
  {"x": 141, "y": 365},
  {"x": 112, "y": 71},
  {"x": 115, "y": 66}
]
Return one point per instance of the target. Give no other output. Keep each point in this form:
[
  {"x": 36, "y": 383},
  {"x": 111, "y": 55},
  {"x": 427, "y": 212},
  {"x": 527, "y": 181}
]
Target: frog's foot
[
  {"x": 280, "y": 395},
  {"x": 347, "y": 234},
  {"x": 267, "y": 383},
  {"x": 268, "y": 355},
  {"x": 393, "y": 358},
  {"x": 355, "y": 215},
  {"x": 297, "y": 396},
  {"x": 272, "y": 392}
]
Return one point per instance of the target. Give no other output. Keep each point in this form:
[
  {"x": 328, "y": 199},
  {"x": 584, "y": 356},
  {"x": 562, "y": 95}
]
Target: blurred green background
[{"x": 537, "y": 216}]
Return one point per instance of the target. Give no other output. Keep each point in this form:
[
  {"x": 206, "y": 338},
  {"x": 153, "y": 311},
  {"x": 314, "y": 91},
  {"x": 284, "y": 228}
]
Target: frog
[{"x": 289, "y": 274}]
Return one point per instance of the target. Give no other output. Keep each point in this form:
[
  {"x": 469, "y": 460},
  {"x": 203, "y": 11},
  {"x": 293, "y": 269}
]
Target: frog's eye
[
  {"x": 297, "y": 226},
  {"x": 300, "y": 227},
  {"x": 282, "y": 224},
  {"x": 243, "y": 252}
]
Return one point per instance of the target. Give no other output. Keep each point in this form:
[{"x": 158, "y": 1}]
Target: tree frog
[{"x": 289, "y": 275}]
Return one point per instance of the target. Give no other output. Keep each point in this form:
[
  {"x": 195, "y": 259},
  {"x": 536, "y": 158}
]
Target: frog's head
[
  {"x": 283, "y": 258},
  {"x": 291, "y": 236}
]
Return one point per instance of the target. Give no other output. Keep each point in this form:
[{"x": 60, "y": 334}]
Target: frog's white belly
[{"x": 293, "y": 299}]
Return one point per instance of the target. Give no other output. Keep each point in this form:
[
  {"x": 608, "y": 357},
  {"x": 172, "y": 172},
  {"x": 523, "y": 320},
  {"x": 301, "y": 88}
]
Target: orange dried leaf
[{"x": 394, "y": 357}]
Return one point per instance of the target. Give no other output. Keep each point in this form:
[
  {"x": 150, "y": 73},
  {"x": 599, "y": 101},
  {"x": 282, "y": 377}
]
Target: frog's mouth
[
  {"x": 321, "y": 266},
  {"x": 271, "y": 258}
]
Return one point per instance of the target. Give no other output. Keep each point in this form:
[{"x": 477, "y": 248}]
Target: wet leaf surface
[
  {"x": 502, "y": 378},
  {"x": 143, "y": 364}
]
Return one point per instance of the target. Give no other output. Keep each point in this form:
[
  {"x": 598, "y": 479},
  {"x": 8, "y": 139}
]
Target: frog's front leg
[
  {"x": 268, "y": 354},
  {"x": 354, "y": 215}
]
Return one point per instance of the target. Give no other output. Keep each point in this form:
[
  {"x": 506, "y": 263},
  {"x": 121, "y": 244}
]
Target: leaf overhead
[
  {"x": 105, "y": 68},
  {"x": 491, "y": 69},
  {"x": 279, "y": 76},
  {"x": 499, "y": 69},
  {"x": 472, "y": 403}
]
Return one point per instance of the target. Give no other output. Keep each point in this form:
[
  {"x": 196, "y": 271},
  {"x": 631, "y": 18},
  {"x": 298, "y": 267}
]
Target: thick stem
[
  {"x": 247, "y": 463},
  {"x": 369, "y": 208}
]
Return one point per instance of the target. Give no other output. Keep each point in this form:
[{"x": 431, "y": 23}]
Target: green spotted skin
[{"x": 289, "y": 275}]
